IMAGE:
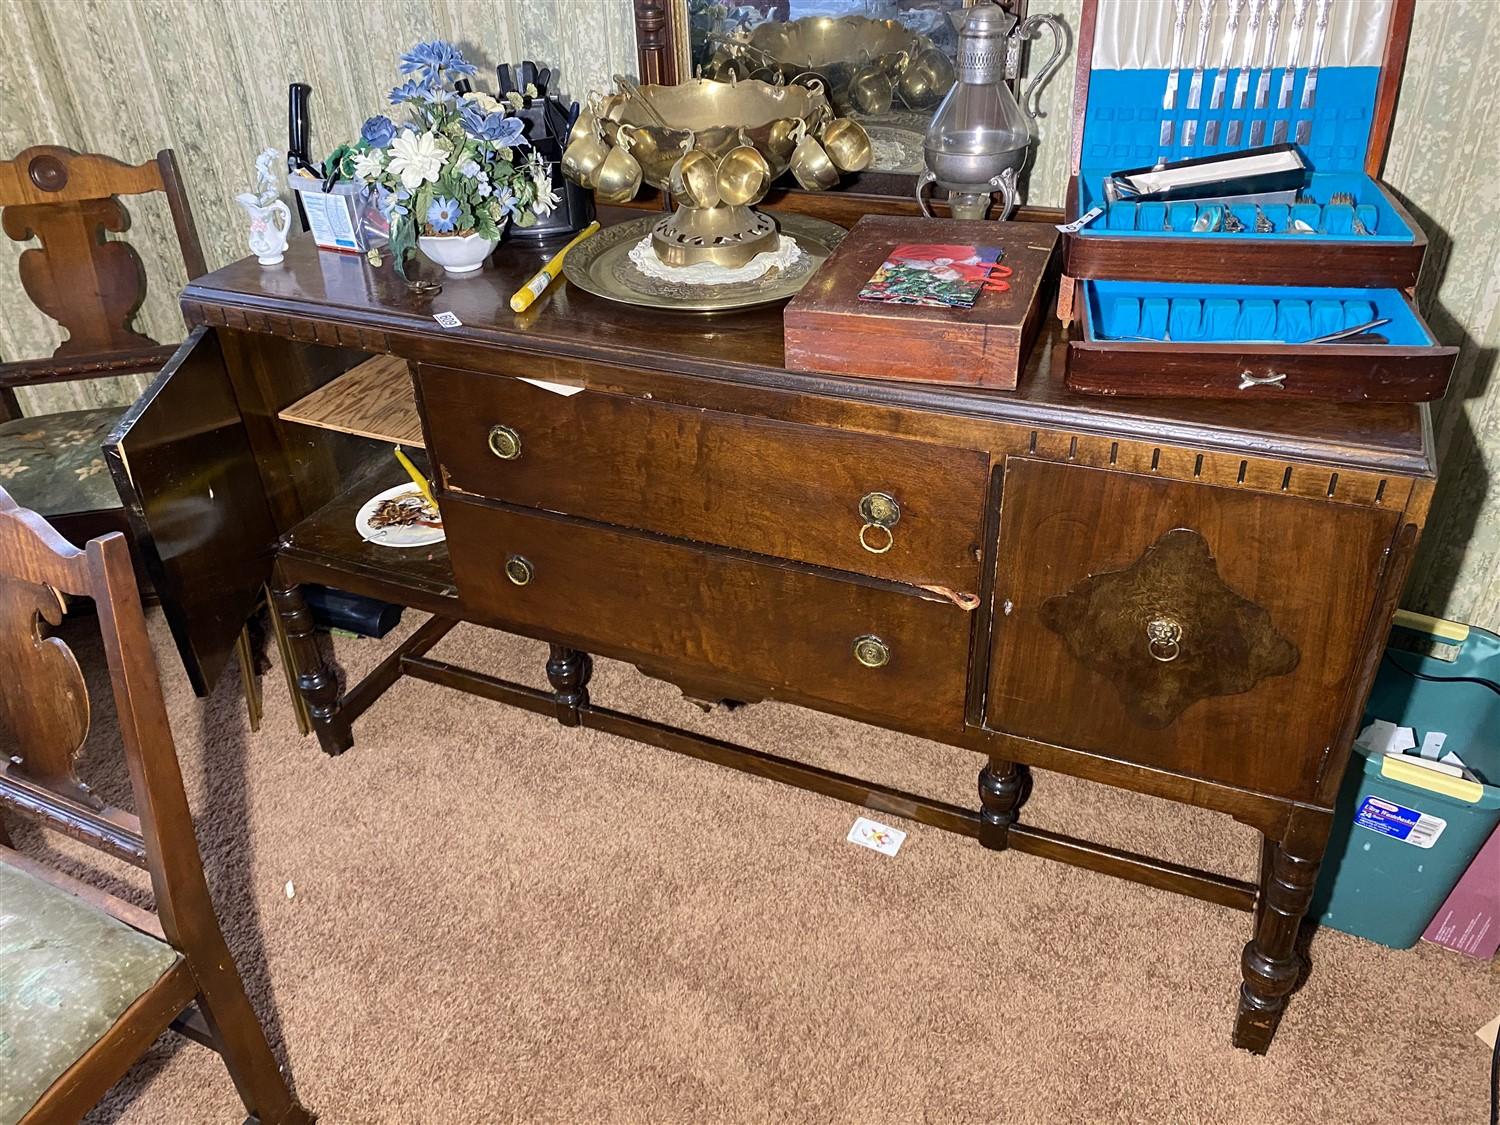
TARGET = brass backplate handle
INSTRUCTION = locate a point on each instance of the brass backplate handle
(880, 508)
(505, 443)
(871, 651)
(518, 570)
(881, 512)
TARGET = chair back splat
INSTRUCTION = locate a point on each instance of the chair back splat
(169, 961)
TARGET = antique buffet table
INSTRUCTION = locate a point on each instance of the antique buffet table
(1185, 599)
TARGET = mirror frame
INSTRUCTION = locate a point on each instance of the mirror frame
(662, 53)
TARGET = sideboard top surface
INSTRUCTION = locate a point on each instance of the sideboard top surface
(377, 308)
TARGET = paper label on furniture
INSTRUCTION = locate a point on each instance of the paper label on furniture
(1082, 221)
(1399, 822)
(448, 319)
(567, 390)
(876, 836)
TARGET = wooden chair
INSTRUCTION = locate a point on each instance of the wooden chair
(88, 981)
(92, 287)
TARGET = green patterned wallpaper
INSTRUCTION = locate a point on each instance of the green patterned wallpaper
(128, 77)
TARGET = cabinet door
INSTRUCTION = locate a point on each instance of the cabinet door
(182, 461)
(1202, 629)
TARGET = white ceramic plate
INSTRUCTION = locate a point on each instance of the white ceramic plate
(415, 536)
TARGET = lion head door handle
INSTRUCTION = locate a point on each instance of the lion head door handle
(880, 512)
(1164, 639)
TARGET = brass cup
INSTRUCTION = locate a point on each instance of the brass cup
(658, 150)
(871, 91)
(926, 78)
(744, 176)
(694, 181)
(847, 144)
(810, 164)
(584, 156)
(781, 139)
(619, 177)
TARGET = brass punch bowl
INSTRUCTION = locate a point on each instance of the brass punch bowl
(716, 146)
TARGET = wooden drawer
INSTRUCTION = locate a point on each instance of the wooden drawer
(712, 616)
(1212, 631)
(775, 488)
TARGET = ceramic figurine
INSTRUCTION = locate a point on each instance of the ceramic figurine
(270, 218)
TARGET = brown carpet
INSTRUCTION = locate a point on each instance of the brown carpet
(497, 919)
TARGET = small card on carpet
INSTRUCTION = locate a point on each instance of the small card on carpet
(876, 836)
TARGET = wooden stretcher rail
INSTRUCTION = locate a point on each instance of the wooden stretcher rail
(1209, 886)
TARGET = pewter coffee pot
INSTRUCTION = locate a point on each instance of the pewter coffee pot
(979, 137)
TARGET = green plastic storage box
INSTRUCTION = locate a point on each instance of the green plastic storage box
(1404, 834)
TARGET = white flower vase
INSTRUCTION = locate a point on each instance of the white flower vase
(459, 254)
(269, 225)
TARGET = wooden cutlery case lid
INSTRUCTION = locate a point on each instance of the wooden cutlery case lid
(1120, 121)
(827, 327)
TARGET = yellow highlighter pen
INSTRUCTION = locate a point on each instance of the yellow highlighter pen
(421, 481)
(534, 288)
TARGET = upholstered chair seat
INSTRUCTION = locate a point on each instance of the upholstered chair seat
(52, 463)
(67, 972)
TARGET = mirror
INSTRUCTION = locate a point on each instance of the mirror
(885, 63)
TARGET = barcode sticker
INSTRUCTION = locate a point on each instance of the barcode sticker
(1082, 221)
(1399, 822)
(447, 319)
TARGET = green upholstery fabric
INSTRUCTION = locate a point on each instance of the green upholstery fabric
(67, 972)
(52, 464)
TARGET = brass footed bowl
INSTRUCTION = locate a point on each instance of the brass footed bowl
(862, 61)
(729, 124)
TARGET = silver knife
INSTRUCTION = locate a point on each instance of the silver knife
(1174, 76)
(1263, 82)
(1242, 82)
(1289, 75)
(1195, 87)
(1310, 87)
(1221, 77)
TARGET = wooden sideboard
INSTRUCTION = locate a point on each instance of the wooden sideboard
(1184, 599)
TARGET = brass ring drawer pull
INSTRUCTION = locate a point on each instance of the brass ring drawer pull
(1164, 639)
(518, 570)
(871, 651)
(505, 443)
(880, 512)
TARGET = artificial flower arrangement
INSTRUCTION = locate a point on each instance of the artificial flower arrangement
(453, 171)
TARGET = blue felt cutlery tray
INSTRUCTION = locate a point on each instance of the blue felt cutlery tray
(1201, 340)
(1122, 129)
(1345, 242)
(1169, 312)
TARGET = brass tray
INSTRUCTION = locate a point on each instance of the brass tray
(601, 265)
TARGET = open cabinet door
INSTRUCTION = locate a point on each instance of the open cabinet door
(182, 461)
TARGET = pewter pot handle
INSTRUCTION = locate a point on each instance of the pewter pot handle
(1031, 98)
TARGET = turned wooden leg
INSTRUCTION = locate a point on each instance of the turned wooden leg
(1003, 788)
(568, 671)
(1270, 963)
(316, 681)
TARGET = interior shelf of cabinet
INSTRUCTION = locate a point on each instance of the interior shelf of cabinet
(373, 399)
(326, 547)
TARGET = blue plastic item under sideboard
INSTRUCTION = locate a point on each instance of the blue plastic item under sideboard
(1166, 310)
(1122, 130)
